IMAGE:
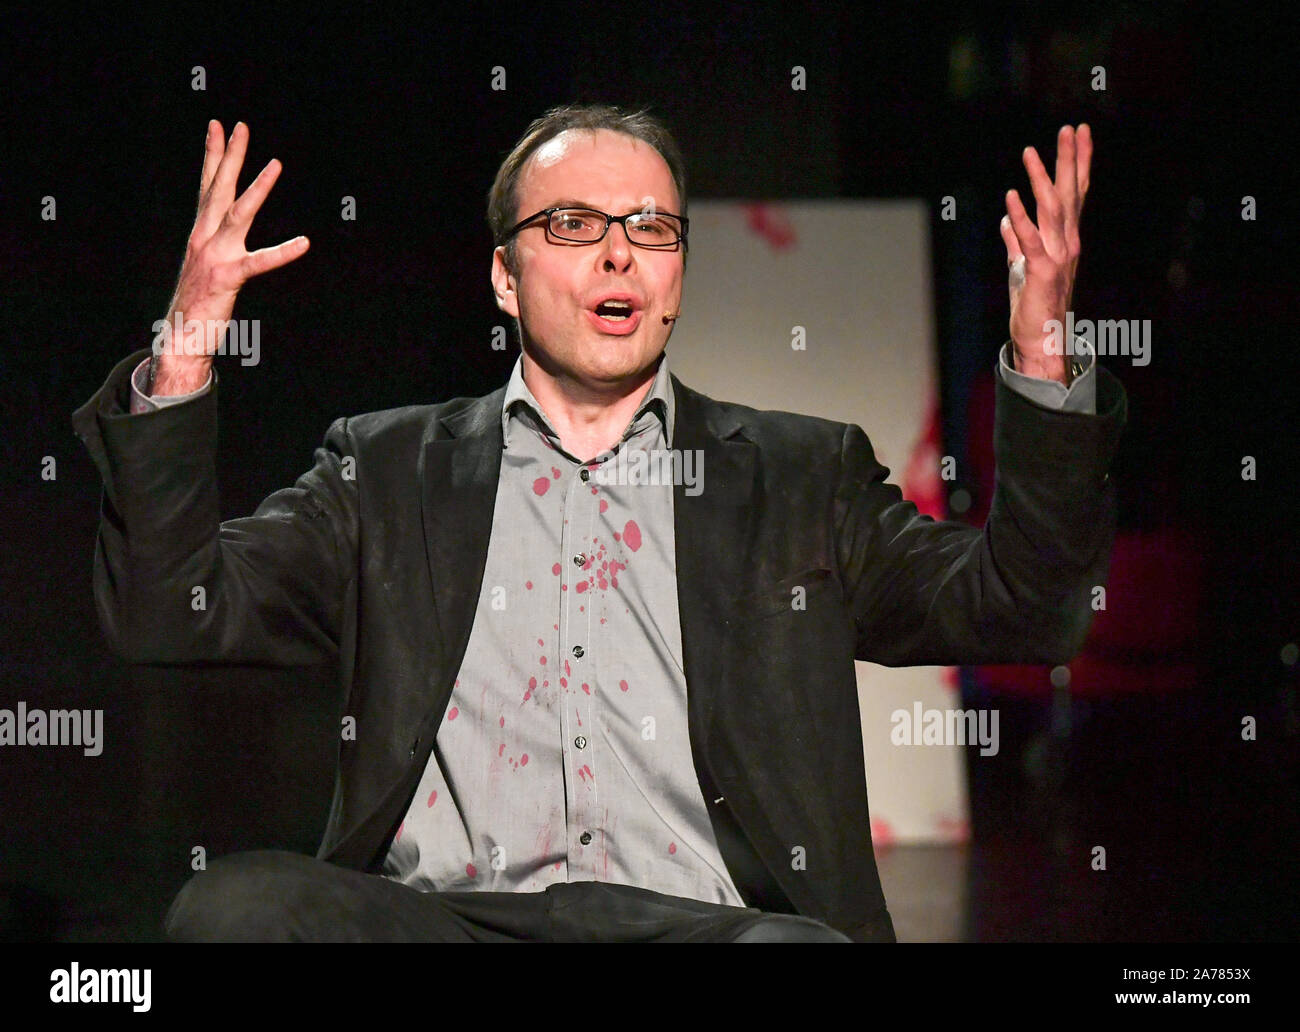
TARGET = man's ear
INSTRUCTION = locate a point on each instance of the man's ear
(503, 284)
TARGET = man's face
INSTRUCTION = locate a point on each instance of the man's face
(560, 284)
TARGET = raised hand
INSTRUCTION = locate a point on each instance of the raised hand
(217, 264)
(1042, 259)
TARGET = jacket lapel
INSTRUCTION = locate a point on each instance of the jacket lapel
(712, 531)
(459, 475)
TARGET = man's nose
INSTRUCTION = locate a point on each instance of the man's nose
(618, 247)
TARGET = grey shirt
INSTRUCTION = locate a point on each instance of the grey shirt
(564, 754)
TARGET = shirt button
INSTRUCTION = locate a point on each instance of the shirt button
(579, 560)
(585, 473)
(585, 838)
(579, 651)
(580, 741)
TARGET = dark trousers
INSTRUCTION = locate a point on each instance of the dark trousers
(274, 896)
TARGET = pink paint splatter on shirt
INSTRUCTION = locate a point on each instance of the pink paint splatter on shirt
(603, 505)
(433, 797)
(566, 668)
(503, 721)
(564, 683)
(632, 535)
(555, 569)
(455, 712)
(555, 473)
(541, 485)
(580, 587)
(529, 585)
(672, 847)
(623, 685)
(586, 687)
(523, 760)
(471, 870)
(542, 660)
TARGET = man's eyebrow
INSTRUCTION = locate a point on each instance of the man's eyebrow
(569, 202)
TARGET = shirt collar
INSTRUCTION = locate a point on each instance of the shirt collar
(659, 400)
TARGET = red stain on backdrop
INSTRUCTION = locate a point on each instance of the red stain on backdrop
(771, 223)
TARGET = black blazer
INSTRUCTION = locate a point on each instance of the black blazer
(374, 560)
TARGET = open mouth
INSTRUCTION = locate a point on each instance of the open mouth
(615, 317)
(615, 311)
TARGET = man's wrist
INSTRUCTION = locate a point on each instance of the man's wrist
(1049, 367)
(141, 402)
(1079, 396)
(174, 377)
(179, 362)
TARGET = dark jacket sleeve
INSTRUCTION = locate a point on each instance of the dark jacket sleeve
(274, 584)
(927, 592)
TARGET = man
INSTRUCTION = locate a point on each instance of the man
(582, 708)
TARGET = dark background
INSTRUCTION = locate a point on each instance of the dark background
(1142, 754)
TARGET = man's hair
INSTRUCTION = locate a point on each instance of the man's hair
(503, 198)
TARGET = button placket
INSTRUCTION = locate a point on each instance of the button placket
(574, 719)
(576, 661)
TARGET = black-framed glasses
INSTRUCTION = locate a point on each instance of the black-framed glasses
(654, 229)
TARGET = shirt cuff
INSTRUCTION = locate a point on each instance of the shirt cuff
(1080, 396)
(140, 402)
